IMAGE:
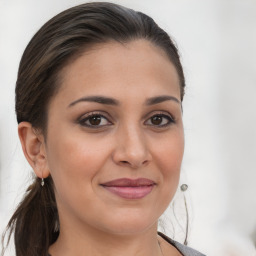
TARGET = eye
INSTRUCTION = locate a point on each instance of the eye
(160, 120)
(94, 120)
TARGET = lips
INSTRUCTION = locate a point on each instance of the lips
(130, 188)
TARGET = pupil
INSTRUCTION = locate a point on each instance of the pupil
(156, 120)
(95, 120)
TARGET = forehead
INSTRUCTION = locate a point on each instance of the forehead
(121, 69)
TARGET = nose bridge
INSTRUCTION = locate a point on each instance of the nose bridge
(135, 143)
(131, 148)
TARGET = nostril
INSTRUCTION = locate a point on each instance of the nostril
(133, 165)
(145, 162)
(125, 162)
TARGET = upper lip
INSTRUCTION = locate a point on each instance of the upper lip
(125, 182)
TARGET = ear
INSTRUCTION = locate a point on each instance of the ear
(33, 145)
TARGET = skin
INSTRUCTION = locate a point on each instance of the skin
(125, 144)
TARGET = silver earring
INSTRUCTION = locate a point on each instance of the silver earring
(42, 182)
(183, 187)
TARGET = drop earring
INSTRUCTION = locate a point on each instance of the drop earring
(42, 182)
(183, 188)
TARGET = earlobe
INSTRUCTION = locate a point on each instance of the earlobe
(34, 149)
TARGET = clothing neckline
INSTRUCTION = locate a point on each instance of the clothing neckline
(170, 241)
(181, 248)
(166, 238)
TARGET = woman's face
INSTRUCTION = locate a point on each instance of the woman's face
(115, 138)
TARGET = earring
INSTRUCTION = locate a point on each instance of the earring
(183, 187)
(42, 182)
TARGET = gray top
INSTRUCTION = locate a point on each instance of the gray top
(183, 249)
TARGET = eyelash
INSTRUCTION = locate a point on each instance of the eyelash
(83, 120)
(86, 118)
(169, 118)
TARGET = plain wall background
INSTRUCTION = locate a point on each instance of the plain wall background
(217, 41)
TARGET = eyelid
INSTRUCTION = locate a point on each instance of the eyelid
(81, 120)
(164, 114)
(160, 112)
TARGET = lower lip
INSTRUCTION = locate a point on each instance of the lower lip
(131, 192)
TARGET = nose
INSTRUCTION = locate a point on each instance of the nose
(131, 148)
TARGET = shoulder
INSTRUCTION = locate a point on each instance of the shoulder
(183, 249)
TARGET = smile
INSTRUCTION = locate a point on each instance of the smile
(129, 188)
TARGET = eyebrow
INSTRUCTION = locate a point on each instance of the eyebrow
(159, 99)
(97, 99)
(110, 101)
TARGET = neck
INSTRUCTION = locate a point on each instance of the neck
(78, 240)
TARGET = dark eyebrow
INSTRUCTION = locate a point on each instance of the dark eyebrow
(97, 99)
(110, 101)
(159, 99)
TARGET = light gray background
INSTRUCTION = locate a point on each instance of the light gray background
(217, 40)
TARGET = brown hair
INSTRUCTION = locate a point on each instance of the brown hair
(35, 223)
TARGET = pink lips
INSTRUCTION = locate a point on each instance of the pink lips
(129, 188)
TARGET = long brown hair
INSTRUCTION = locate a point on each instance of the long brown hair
(35, 223)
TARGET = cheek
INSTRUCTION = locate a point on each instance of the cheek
(74, 161)
(169, 155)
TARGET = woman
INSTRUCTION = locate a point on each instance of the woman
(99, 106)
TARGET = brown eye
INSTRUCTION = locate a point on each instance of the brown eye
(156, 120)
(94, 121)
(160, 120)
